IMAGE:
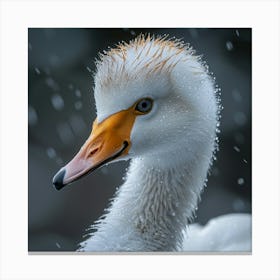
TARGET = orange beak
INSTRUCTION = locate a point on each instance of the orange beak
(108, 141)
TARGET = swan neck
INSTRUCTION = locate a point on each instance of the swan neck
(162, 201)
(151, 209)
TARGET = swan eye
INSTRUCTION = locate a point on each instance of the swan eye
(144, 105)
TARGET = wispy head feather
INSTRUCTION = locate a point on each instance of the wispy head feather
(144, 55)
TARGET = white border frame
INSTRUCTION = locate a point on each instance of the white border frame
(17, 16)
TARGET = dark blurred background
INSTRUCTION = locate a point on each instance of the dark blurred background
(60, 114)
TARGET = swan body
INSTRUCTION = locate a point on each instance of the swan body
(227, 233)
(156, 105)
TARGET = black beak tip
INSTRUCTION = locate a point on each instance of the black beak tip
(58, 179)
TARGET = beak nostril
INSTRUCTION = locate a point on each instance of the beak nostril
(92, 152)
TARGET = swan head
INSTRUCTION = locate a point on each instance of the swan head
(155, 100)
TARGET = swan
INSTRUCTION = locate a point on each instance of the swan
(156, 105)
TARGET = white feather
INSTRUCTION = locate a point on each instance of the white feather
(171, 152)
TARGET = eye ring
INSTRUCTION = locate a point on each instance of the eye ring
(144, 105)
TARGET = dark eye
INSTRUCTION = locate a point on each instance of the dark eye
(144, 105)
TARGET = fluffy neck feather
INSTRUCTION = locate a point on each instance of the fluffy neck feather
(152, 208)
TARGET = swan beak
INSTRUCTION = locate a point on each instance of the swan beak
(109, 140)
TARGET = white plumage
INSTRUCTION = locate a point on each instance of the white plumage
(171, 149)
